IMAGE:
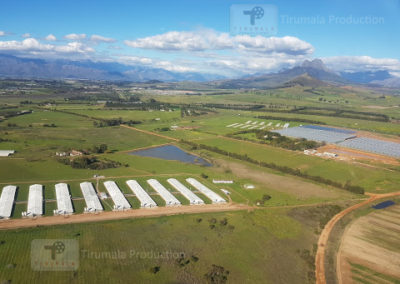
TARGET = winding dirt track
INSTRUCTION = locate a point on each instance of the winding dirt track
(323, 238)
(109, 215)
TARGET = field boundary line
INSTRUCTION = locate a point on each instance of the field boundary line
(149, 132)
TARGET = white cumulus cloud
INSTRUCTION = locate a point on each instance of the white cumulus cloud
(2, 33)
(33, 46)
(26, 35)
(203, 40)
(75, 36)
(50, 37)
(362, 63)
(99, 38)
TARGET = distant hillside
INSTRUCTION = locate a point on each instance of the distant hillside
(307, 71)
(23, 68)
(305, 80)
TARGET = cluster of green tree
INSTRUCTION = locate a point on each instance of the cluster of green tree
(11, 113)
(47, 125)
(182, 260)
(283, 169)
(291, 119)
(223, 223)
(341, 113)
(162, 129)
(100, 122)
(263, 199)
(103, 95)
(89, 162)
(25, 102)
(138, 105)
(99, 149)
(234, 106)
(113, 122)
(217, 274)
(277, 140)
(219, 93)
(335, 113)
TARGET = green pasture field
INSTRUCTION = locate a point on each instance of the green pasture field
(372, 179)
(268, 245)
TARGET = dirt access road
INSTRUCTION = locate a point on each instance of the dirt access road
(323, 238)
(150, 133)
(117, 215)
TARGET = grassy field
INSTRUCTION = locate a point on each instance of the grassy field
(373, 179)
(269, 248)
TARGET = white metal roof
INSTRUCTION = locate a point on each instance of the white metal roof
(215, 198)
(64, 204)
(141, 194)
(35, 200)
(7, 200)
(170, 200)
(116, 195)
(193, 198)
(6, 153)
(91, 198)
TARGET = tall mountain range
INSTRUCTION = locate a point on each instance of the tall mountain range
(28, 68)
(309, 73)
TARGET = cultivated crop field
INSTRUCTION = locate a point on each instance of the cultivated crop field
(370, 250)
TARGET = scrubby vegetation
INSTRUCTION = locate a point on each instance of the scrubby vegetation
(89, 162)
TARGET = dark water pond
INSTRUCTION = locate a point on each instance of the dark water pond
(171, 152)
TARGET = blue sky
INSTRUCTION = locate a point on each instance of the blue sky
(323, 29)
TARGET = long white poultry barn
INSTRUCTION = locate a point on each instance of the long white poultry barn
(64, 204)
(215, 198)
(92, 200)
(120, 202)
(7, 201)
(170, 200)
(35, 201)
(193, 198)
(141, 194)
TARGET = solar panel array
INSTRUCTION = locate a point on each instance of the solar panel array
(7, 201)
(340, 130)
(35, 200)
(373, 145)
(170, 200)
(315, 134)
(186, 192)
(120, 202)
(141, 194)
(91, 198)
(64, 204)
(215, 198)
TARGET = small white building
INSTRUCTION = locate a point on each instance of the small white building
(330, 155)
(223, 181)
